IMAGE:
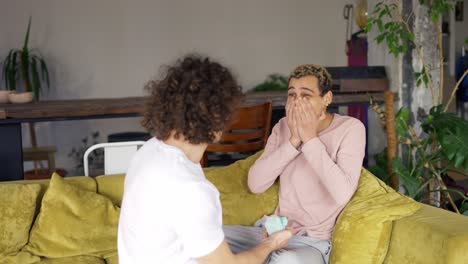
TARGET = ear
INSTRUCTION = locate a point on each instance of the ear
(328, 98)
(218, 135)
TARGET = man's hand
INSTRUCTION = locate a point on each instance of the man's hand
(307, 120)
(292, 123)
(277, 240)
(258, 254)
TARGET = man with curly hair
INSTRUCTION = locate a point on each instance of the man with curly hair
(170, 212)
(318, 158)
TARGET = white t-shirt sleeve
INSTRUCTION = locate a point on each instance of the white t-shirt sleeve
(198, 221)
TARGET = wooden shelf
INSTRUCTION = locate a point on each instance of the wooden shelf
(134, 106)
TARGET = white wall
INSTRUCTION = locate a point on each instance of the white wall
(110, 48)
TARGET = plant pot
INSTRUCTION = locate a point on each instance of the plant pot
(21, 98)
(4, 96)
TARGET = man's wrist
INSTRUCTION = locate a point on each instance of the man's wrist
(310, 137)
(295, 142)
(269, 244)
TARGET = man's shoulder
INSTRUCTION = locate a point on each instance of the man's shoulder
(198, 186)
(348, 122)
(281, 126)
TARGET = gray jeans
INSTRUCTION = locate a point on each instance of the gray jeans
(300, 249)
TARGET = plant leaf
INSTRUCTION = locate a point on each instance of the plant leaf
(274, 82)
(436, 109)
(464, 208)
(380, 172)
(401, 121)
(423, 186)
(36, 83)
(13, 72)
(26, 39)
(5, 69)
(43, 68)
(25, 69)
(381, 158)
(45, 73)
(463, 196)
(410, 183)
(451, 132)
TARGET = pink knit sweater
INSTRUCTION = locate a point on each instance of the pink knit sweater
(317, 180)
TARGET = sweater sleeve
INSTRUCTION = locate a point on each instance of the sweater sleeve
(340, 178)
(272, 162)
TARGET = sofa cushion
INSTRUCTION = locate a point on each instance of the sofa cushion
(17, 208)
(86, 183)
(72, 260)
(363, 229)
(20, 258)
(240, 206)
(431, 235)
(113, 260)
(73, 222)
(111, 186)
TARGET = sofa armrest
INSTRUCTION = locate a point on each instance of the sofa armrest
(431, 235)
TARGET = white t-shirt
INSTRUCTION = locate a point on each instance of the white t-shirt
(170, 212)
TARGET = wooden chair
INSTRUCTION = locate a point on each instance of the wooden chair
(247, 131)
(37, 154)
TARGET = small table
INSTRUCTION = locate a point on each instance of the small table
(13, 115)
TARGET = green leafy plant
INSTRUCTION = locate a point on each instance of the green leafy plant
(25, 65)
(274, 82)
(95, 158)
(379, 169)
(443, 142)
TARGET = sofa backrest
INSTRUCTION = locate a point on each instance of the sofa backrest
(85, 183)
(111, 186)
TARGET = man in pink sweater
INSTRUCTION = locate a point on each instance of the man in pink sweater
(318, 158)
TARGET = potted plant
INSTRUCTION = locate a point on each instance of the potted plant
(274, 82)
(27, 69)
(443, 142)
(96, 158)
(4, 96)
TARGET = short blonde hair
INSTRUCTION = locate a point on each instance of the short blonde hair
(324, 78)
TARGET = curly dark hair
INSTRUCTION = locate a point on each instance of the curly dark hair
(195, 99)
(324, 78)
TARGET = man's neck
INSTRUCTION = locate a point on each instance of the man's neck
(193, 151)
(325, 123)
